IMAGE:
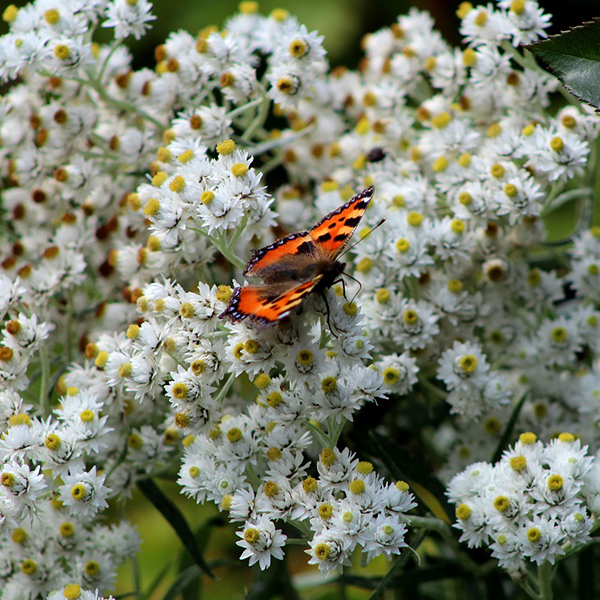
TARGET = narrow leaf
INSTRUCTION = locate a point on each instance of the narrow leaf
(510, 426)
(177, 521)
(156, 582)
(444, 570)
(408, 467)
(397, 567)
(574, 57)
(586, 574)
(182, 582)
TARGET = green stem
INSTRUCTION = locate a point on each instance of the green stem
(242, 109)
(226, 386)
(230, 255)
(271, 164)
(593, 542)
(126, 106)
(261, 116)
(223, 247)
(561, 199)
(434, 389)
(443, 529)
(526, 586)
(318, 434)
(555, 188)
(115, 45)
(252, 477)
(545, 573)
(334, 430)
(272, 144)
(69, 329)
(44, 359)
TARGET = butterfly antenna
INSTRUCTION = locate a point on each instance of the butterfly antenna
(359, 286)
(363, 237)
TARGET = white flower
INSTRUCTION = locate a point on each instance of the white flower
(541, 539)
(128, 18)
(463, 367)
(386, 535)
(329, 551)
(261, 541)
(84, 492)
(23, 485)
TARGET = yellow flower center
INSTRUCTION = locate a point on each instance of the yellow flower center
(468, 363)
(463, 512)
(518, 463)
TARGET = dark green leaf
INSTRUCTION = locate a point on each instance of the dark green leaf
(446, 570)
(156, 582)
(202, 535)
(510, 426)
(182, 582)
(397, 567)
(574, 57)
(177, 521)
(586, 574)
(272, 582)
(408, 467)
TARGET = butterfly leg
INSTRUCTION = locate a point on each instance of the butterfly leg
(343, 282)
(328, 313)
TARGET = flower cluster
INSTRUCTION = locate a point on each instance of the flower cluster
(533, 505)
(133, 199)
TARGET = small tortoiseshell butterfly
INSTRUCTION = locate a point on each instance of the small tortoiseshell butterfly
(296, 265)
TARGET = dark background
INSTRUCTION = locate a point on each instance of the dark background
(342, 22)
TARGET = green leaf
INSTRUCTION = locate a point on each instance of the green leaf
(586, 574)
(408, 467)
(503, 443)
(397, 567)
(202, 535)
(156, 581)
(182, 582)
(274, 582)
(574, 57)
(427, 574)
(177, 521)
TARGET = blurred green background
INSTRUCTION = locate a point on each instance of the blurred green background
(343, 23)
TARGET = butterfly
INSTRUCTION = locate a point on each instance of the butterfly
(296, 265)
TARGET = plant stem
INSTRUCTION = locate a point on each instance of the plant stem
(318, 434)
(223, 391)
(242, 109)
(334, 430)
(45, 361)
(126, 106)
(68, 329)
(261, 117)
(443, 529)
(545, 573)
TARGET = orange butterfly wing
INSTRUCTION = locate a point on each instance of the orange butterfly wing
(267, 262)
(331, 233)
(267, 304)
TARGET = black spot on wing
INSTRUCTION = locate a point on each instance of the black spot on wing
(352, 221)
(257, 255)
(324, 237)
(340, 238)
(362, 199)
(304, 248)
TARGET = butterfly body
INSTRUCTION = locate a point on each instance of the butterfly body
(296, 265)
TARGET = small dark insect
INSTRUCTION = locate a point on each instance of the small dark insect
(376, 154)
